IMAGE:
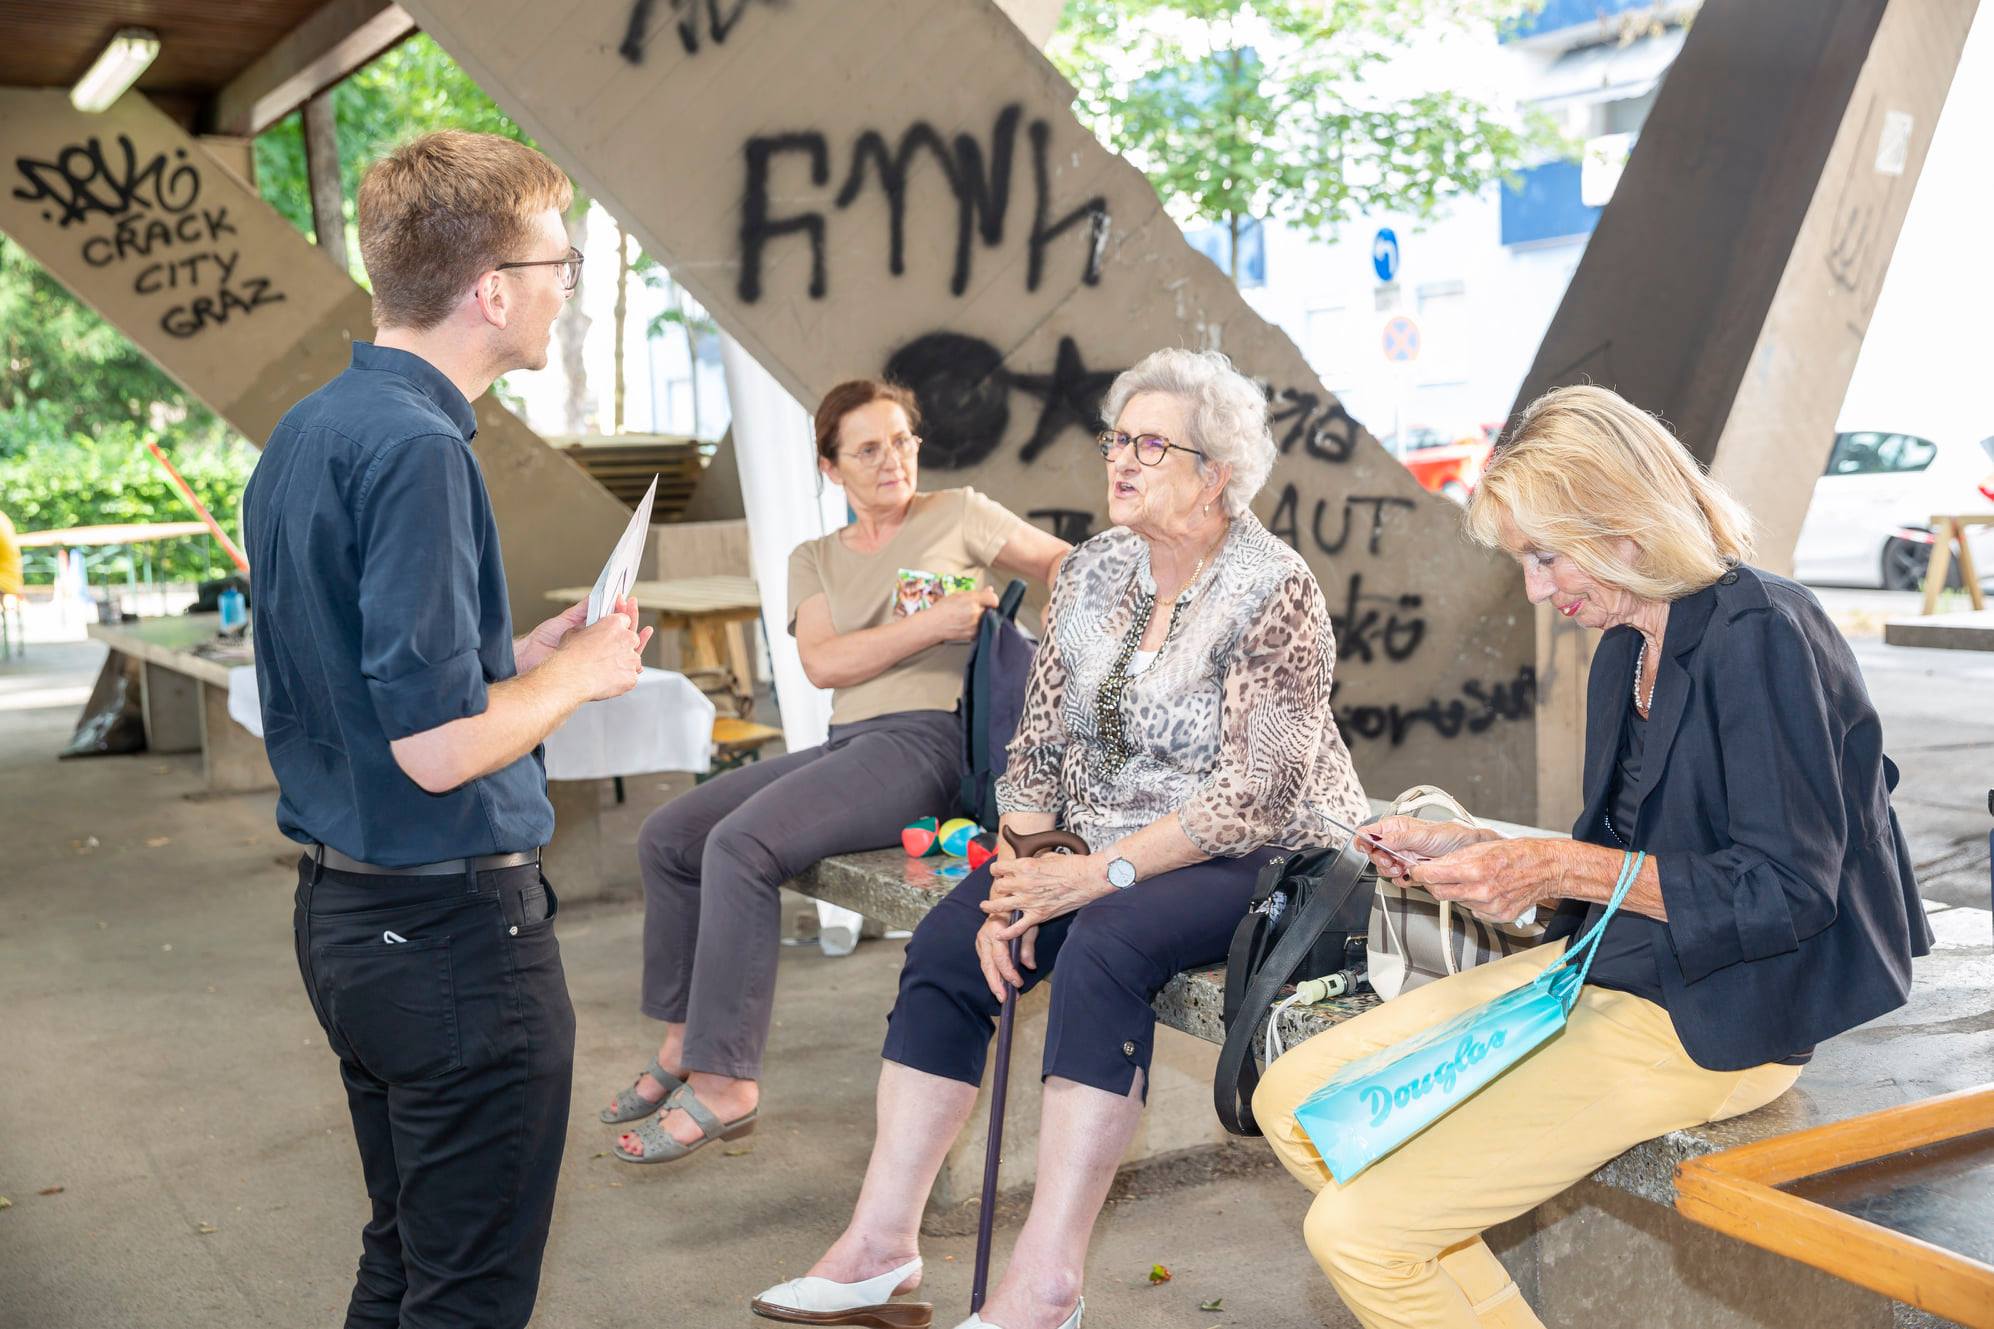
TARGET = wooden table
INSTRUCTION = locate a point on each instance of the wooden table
(184, 698)
(139, 533)
(1970, 630)
(1949, 532)
(707, 610)
(1892, 1201)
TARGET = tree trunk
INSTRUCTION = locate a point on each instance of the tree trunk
(571, 330)
(621, 318)
(1232, 224)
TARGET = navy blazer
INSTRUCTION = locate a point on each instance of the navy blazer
(1793, 911)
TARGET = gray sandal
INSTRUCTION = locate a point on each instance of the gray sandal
(633, 1106)
(660, 1147)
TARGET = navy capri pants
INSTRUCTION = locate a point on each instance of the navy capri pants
(1112, 957)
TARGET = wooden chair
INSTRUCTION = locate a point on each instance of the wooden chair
(736, 742)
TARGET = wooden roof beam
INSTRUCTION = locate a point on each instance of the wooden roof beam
(336, 40)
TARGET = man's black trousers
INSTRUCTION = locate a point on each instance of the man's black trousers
(444, 999)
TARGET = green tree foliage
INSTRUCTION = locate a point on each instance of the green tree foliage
(108, 478)
(1290, 109)
(78, 403)
(411, 90)
(66, 373)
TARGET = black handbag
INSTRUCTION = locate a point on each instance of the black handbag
(1308, 907)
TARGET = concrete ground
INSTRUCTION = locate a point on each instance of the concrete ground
(164, 1077)
(173, 1140)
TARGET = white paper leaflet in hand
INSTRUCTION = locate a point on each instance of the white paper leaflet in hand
(619, 574)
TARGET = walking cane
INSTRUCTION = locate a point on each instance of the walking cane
(1024, 846)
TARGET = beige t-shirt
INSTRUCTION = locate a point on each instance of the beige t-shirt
(953, 533)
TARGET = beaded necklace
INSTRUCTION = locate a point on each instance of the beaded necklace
(1108, 702)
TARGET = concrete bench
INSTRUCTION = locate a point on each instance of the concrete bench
(1622, 1218)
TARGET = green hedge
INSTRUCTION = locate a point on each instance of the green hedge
(112, 479)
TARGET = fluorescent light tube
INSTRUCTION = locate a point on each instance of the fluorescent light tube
(127, 56)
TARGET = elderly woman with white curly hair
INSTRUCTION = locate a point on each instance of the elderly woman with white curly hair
(1177, 720)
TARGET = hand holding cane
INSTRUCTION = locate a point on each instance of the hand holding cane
(1024, 846)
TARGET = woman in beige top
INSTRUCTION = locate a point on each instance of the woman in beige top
(883, 612)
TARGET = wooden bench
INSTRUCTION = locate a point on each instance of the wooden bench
(625, 464)
(736, 742)
(1942, 1040)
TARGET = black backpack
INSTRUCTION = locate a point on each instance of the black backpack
(993, 701)
(1309, 909)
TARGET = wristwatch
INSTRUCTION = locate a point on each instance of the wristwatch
(1121, 873)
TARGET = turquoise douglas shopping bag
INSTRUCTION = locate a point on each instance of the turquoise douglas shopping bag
(1378, 1102)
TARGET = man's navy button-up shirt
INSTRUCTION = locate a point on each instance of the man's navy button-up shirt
(380, 613)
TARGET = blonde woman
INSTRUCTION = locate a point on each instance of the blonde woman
(1728, 734)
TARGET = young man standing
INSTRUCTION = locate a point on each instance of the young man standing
(403, 723)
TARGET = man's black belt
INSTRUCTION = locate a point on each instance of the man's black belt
(339, 862)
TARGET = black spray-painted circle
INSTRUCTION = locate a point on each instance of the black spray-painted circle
(964, 392)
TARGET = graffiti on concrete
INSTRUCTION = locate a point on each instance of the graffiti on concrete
(1073, 525)
(710, 20)
(1373, 626)
(1477, 708)
(1318, 422)
(976, 174)
(964, 388)
(1285, 521)
(84, 180)
(144, 217)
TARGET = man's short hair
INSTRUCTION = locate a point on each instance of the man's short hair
(443, 208)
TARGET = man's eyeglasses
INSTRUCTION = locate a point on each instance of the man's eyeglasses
(1149, 448)
(570, 266)
(872, 456)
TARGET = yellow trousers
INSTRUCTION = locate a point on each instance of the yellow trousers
(1402, 1242)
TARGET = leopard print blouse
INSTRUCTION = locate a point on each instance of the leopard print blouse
(1229, 728)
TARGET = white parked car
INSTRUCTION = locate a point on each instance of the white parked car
(1870, 523)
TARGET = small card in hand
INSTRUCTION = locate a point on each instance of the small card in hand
(917, 590)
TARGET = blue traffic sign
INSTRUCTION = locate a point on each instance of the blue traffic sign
(1385, 253)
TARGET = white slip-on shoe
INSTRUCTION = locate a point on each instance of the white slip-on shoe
(1070, 1322)
(868, 1303)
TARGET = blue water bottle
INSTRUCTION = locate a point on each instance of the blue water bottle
(233, 613)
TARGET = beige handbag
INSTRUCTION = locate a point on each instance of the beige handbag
(1415, 938)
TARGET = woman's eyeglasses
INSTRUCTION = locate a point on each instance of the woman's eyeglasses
(1149, 448)
(872, 456)
(570, 266)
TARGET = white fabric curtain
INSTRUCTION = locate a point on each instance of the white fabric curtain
(779, 490)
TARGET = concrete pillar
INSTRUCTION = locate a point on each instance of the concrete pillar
(1731, 279)
(573, 861)
(880, 187)
(132, 215)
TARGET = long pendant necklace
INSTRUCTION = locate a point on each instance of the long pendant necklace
(1108, 701)
(1640, 663)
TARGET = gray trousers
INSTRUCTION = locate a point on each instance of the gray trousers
(714, 858)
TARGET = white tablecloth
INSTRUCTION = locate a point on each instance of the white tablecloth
(663, 724)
